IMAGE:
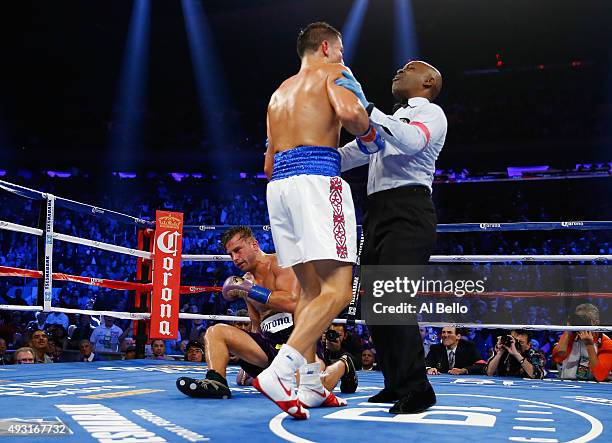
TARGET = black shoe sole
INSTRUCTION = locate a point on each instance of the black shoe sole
(382, 398)
(416, 411)
(422, 408)
(183, 385)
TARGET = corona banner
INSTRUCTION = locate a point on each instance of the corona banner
(166, 275)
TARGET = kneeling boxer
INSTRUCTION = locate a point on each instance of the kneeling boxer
(271, 294)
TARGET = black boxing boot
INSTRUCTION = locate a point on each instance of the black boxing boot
(349, 381)
(213, 386)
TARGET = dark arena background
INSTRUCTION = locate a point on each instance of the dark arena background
(113, 109)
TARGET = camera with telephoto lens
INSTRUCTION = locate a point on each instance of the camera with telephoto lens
(332, 335)
(507, 340)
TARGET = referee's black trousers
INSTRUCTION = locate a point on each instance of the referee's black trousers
(399, 229)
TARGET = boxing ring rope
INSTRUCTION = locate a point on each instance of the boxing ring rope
(458, 258)
(52, 201)
(461, 227)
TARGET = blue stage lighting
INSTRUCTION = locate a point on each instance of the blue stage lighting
(213, 93)
(126, 136)
(352, 29)
(406, 44)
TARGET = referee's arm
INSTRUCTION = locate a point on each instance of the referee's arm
(411, 136)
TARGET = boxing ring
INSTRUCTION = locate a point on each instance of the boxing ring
(139, 396)
(85, 401)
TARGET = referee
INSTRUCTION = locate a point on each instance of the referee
(400, 219)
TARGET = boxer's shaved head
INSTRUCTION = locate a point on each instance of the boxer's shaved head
(310, 38)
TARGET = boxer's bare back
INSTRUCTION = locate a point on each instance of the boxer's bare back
(309, 109)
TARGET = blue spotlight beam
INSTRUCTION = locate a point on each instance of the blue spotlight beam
(406, 44)
(352, 29)
(213, 93)
(127, 133)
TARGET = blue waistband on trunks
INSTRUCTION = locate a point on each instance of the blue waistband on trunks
(309, 160)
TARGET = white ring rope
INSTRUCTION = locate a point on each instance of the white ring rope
(230, 318)
(455, 258)
(220, 257)
(102, 245)
(506, 258)
(8, 226)
(207, 257)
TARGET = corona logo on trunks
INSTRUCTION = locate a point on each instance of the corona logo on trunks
(166, 275)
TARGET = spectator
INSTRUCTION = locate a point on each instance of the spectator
(40, 323)
(106, 336)
(368, 360)
(195, 352)
(426, 337)
(584, 355)
(24, 355)
(130, 353)
(4, 358)
(125, 343)
(514, 357)
(39, 342)
(158, 348)
(57, 333)
(244, 325)
(86, 351)
(17, 299)
(80, 331)
(482, 339)
(55, 350)
(58, 318)
(198, 327)
(454, 355)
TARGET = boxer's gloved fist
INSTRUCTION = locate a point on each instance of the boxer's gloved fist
(350, 82)
(236, 287)
(370, 142)
(243, 379)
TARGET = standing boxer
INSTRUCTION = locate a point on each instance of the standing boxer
(311, 211)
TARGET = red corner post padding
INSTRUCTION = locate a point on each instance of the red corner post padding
(165, 298)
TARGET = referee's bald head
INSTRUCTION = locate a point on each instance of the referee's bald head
(435, 80)
(417, 79)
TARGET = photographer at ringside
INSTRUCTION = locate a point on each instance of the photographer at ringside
(337, 342)
(515, 357)
(584, 355)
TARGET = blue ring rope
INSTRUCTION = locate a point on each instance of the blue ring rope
(450, 227)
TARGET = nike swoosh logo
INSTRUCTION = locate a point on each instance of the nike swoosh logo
(322, 394)
(287, 391)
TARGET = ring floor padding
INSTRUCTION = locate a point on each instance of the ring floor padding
(137, 400)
